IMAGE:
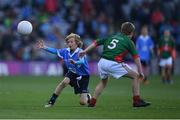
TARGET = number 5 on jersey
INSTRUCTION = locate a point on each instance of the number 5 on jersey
(113, 44)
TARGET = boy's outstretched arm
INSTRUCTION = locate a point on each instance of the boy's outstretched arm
(40, 45)
(78, 62)
(90, 47)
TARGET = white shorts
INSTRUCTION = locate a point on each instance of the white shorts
(115, 69)
(164, 62)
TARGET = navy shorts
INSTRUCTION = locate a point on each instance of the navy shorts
(78, 82)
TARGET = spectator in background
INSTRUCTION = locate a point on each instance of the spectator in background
(145, 45)
(91, 18)
(178, 35)
(166, 54)
(157, 16)
(51, 6)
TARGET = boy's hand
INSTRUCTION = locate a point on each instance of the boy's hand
(72, 61)
(40, 44)
(82, 53)
(141, 76)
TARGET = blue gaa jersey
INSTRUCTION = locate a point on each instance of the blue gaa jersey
(81, 67)
(144, 45)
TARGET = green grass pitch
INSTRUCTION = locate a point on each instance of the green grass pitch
(24, 97)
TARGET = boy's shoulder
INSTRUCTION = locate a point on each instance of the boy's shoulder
(120, 36)
(68, 50)
(80, 49)
(63, 49)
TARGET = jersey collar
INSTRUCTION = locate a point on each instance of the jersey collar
(144, 37)
(76, 51)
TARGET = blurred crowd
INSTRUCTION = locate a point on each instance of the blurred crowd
(54, 19)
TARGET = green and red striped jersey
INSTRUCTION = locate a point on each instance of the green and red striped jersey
(166, 47)
(115, 47)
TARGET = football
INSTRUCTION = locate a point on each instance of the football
(24, 27)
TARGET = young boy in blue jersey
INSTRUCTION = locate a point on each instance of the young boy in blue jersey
(145, 46)
(78, 69)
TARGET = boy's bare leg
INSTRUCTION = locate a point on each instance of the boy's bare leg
(97, 92)
(137, 101)
(163, 74)
(169, 70)
(61, 86)
(57, 92)
(135, 83)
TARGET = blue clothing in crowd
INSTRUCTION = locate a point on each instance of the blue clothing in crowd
(144, 46)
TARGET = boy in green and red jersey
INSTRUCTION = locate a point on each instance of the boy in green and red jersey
(166, 54)
(115, 47)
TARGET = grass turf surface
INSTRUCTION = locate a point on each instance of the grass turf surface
(24, 97)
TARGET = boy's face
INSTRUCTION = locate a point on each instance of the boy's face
(131, 35)
(144, 31)
(71, 43)
(166, 33)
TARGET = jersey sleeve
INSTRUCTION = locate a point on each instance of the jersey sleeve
(51, 50)
(98, 42)
(138, 43)
(60, 52)
(151, 44)
(132, 49)
(80, 61)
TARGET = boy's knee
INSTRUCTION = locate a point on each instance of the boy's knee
(82, 102)
(135, 76)
(65, 83)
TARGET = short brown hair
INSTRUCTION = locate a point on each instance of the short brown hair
(127, 28)
(77, 39)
